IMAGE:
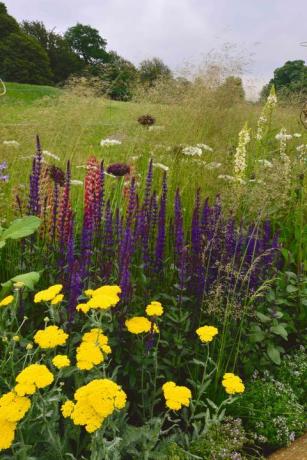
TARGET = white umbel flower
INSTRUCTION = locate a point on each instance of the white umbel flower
(205, 147)
(108, 142)
(11, 143)
(192, 151)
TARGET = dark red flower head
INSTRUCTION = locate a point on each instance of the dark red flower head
(118, 169)
(146, 120)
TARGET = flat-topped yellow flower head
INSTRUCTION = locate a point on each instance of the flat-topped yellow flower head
(206, 333)
(176, 396)
(50, 337)
(47, 295)
(154, 309)
(140, 324)
(232, 383)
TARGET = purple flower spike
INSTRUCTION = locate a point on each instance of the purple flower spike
(160, 242)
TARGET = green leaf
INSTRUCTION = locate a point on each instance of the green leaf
(291, 288)
(257, 336)
(28, 279)
(279, 330)
(273, 354)
(263, 318)
(2, 243)
(20, 228)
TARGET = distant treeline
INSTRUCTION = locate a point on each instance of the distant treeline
(29, 53)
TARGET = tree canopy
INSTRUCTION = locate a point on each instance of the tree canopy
(22, 59)
(289, 79)
(63, 61)
(151, 70)
(87, 43)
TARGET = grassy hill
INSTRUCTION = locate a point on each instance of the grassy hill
(26, 94)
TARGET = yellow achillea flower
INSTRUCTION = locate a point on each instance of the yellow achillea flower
(94, 403)
(6, 301)
(67, 408)
(58, 299)
(139, 325)
(12, 409)
(84, 307)
(31, 378)
(48, 294)
(7, 433)
(50, 337)
(92, 350)
(176, 396)
(60, 361)
(102, 298)
(206, 333)
(154, 309)
(232, 383)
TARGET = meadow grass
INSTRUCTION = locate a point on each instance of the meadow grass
(71, 125)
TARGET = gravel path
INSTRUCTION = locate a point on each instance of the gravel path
(297, 451)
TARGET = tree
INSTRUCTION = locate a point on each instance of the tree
(23, 60)
(8, 24)
(289, 79)
(87, 43)
(120, 77)
(63, 60)
(151, 70)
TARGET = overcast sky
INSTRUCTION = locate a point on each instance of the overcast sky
(267, 31)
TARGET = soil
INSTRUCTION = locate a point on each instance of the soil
(297, 451)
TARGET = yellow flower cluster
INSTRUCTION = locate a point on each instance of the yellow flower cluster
(232, 384)
(140, 324)
(32, 378)
(94, 403)
(176, 396)
(60, 361)
(50, 337)
(92, 350)
(49, 294)
(58, 299)
(12, 409)
(154, 309)
(206, 333)
(102, 298)
(6, 301)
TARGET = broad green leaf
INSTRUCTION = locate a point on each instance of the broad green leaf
(280, 330)
(28, 279)
(20, 228)
(257, 336)
(291, 288)
(273, 354)
(263, 318)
